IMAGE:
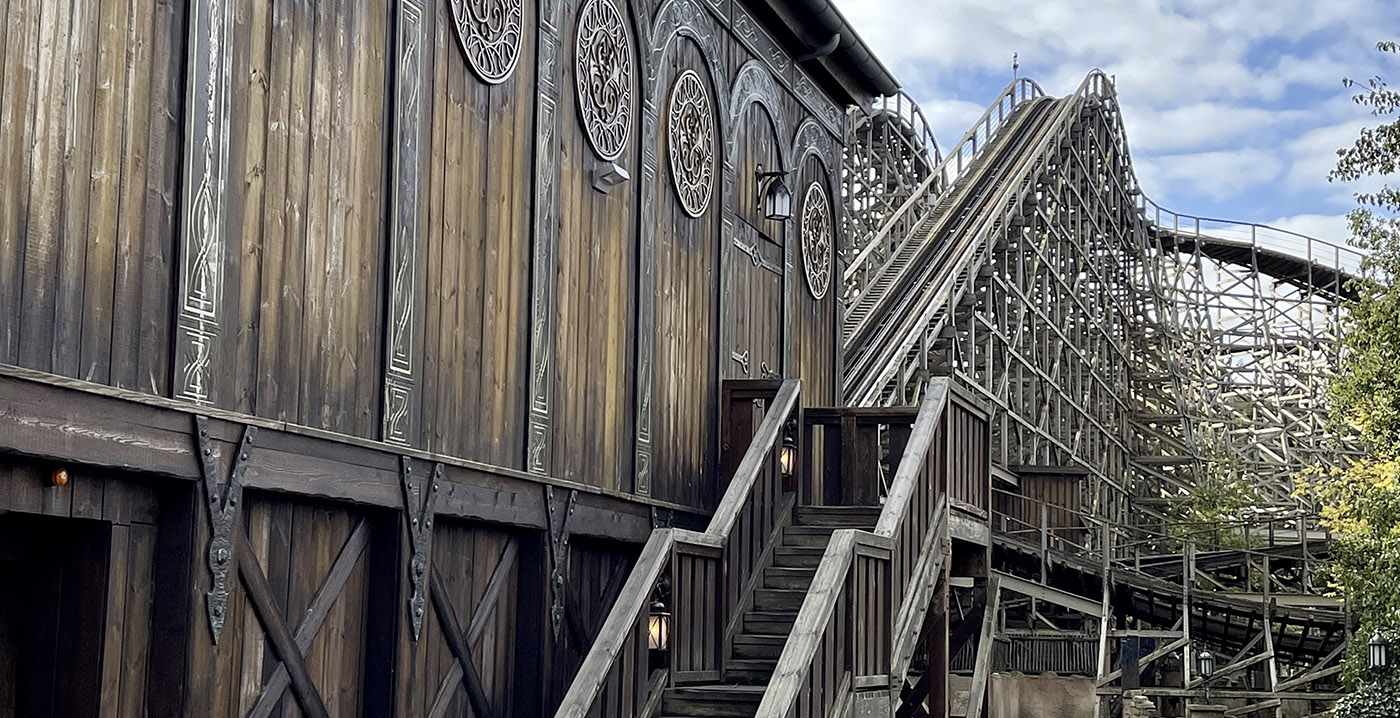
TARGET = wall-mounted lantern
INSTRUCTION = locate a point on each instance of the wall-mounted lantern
(1205, 664)
(774, 197)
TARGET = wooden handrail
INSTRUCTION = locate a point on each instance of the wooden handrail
(818, 615)
(635, 597)
(769, 434)
(906, 477)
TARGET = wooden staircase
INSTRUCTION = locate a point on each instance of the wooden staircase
(767, 623)
(812, 611)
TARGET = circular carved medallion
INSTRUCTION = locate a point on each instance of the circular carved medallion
(816, 239)
(691, 141)
(489, 32)
(603, 77)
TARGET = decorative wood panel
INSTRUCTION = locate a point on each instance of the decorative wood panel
(475, 571)
(477, 208)
(307, 229)
(403, 363)
(595, 314)
(686, 328)
(90, 136)
(814, 325)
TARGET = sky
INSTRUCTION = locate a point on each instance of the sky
(1234, 109)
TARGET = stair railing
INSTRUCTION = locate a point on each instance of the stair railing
(708, 572)
(860, 621)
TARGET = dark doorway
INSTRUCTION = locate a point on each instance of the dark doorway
(53, 592)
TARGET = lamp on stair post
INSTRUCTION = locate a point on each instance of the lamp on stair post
(787, 456)
(1205, 665)
(1378, 651)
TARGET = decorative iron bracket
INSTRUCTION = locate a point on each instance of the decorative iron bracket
(222, 503)
(662, 518)
(767, 372)
(742, 359)
(418, 517)
(559, 519)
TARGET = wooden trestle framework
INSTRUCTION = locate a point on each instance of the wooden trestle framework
(389, 358)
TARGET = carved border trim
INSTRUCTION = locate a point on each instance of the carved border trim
(540, 436)
(199, 307)
(404, 333)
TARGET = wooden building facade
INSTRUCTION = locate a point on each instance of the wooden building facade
(350, 350)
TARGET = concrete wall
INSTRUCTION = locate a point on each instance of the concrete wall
(1015, 695)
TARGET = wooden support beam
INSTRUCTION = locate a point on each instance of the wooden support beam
(1254, 708)
(1050, 595)
(982, 669)
(1142, 662)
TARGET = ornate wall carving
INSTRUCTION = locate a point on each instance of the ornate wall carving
(690, 141)
(816, 239)
(603, 77)
(490, 32)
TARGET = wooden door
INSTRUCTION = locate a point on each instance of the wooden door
(755, 299)
(753, 294)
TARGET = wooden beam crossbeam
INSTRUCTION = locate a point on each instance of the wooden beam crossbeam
(458, 672)
(461, 650)
(313, 619)
(1142, 662)
(284, 644)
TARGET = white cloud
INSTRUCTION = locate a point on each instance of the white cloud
(1232, 108)
(1220, 175)
(1326, 227)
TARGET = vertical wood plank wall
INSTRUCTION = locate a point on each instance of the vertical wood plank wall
(815, 319)
(594, 347)
(686, 386)
(477, 238)
(306, 212)
(90, 153)
(92, 135)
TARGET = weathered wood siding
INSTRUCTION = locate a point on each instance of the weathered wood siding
(295, 543)
(90, 114)
(594, 344)
(467, 557)
(306, 200)
(685, 395)
(255, 257)
(476, 234)
(814, 324)
(755, 289)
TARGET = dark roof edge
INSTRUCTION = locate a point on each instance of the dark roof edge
(823, 17)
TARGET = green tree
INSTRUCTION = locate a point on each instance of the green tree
(1361, 503)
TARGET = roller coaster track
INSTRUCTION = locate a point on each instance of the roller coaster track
(1109, 333)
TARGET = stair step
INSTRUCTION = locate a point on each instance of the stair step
(838, 516)
(754, 645)
(819, 539)
(798, 556)
(730, 701)
(778, 599)
(785, 577)
(755, 671)
(775, 622)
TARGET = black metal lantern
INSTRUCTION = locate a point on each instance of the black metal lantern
(787, 457)
(1205, 664)
(659, 627)
(774, 195)
(1379, 651)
